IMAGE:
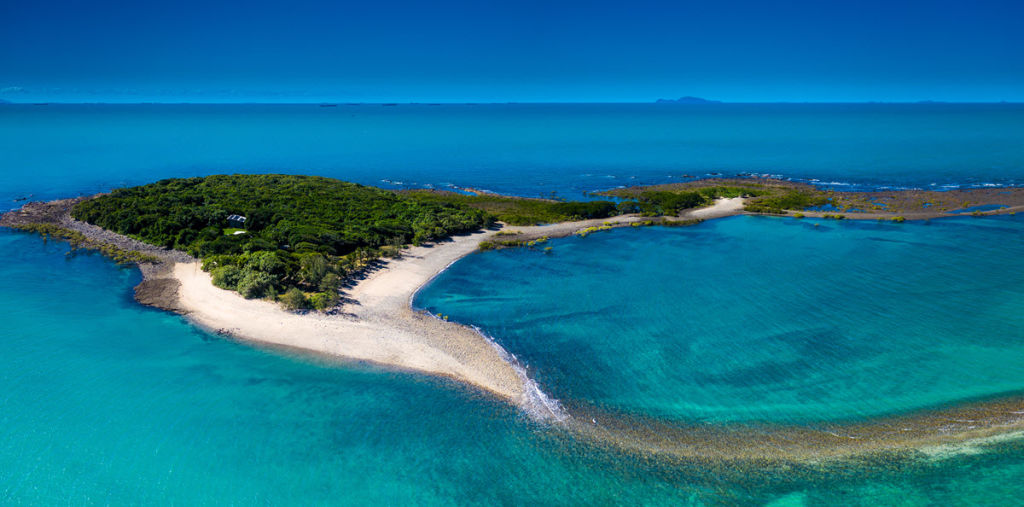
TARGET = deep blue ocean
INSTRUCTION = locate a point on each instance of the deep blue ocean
(521, 149)
(736, 320)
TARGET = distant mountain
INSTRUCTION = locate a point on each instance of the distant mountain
(688, 100)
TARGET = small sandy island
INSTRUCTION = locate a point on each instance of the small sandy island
(378, 324)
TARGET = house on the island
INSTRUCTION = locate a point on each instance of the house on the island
(236, 221)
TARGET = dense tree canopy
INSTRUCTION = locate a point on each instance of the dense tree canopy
(283, 212)
(299, 231)
(520, 210)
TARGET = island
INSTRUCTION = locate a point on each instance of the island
(321, 265)
(687, 100)
(329, 267)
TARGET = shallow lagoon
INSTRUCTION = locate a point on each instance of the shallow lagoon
(104, 401)
(756, 318)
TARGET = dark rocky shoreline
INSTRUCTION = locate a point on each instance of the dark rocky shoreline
(157, 289)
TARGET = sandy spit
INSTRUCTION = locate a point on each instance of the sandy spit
(378, 324)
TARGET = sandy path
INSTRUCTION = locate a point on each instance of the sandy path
(721, 208)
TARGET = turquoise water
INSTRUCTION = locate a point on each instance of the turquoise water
(758, 318)
(104, 401)
(983, 207)
(523, 149)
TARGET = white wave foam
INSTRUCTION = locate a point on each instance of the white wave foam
(535, 402)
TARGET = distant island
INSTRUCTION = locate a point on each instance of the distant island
(687, 100)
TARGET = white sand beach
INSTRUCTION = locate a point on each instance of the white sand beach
(721, 208)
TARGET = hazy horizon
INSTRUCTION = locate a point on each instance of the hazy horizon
(418, 102)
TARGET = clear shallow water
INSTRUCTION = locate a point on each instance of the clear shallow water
(104, 401)
(523, 149)
(984, 207)
(757, 318)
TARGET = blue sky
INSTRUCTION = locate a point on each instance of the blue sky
(483, 51)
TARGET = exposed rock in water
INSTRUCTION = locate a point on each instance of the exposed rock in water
(160, 293)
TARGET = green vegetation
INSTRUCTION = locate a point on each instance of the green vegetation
(302, 232)
(79, 242)
(678, 223)
(518, 210)
(787, 200)
(522, 211)
(590, 230)
(899, 219)
(294, 299)
(304, 235)
(669, 203)
(765, 196)
(511, 243)
(671, 200)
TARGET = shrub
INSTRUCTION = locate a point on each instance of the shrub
(330, 282)
(313, 268)
(671, 203)
(265, 261)
(254, 284)
(792, 200)
(324, 300)
(391, 252)
(294, 299)
(227, 277)
(589, 209)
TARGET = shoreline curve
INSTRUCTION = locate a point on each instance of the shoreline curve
(378, 325)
